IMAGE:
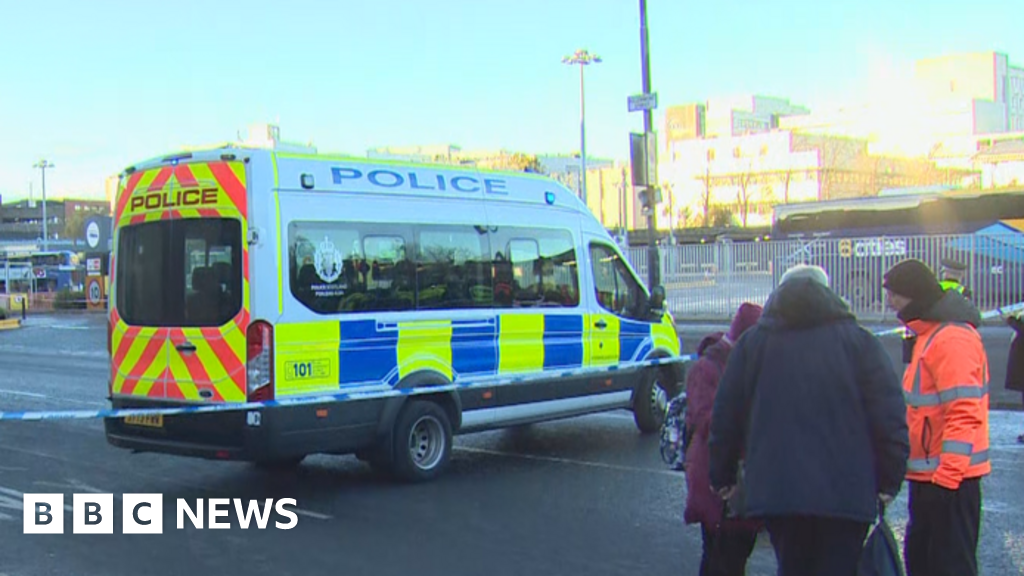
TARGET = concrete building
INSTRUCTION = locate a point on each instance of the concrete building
(684, 122)
(740, 178)
(23, 220)
(738, 115)
(1001, 164)
(728, 116)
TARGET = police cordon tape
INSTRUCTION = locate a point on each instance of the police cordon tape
(1011, 309)
(373, 394)
(377, 393)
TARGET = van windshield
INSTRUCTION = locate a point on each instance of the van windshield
(185, 273)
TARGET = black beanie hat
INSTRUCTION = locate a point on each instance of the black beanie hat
(915, 280)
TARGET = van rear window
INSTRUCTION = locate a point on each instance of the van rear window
(181, 273)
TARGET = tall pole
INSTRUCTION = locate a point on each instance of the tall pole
(654, 265)
(43, 165)
(583, 142)
(582, 58)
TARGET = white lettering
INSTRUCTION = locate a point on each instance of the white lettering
(865, 248)
(197, 518)
(287, 514)
(216, 513)
(261, 521)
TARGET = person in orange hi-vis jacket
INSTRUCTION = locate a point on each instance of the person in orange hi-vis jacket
(946, 390)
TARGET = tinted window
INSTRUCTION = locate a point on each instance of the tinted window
(535, 267)
(349, 267)
(453, 270)
(617, 290)
(180, 273)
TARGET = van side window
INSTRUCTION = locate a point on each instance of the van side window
(452, 268)
(617, 291)
(337, 268)
(534, 267)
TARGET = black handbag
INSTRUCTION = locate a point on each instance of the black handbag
(881, 554)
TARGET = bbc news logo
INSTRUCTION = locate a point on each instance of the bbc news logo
(144, 513)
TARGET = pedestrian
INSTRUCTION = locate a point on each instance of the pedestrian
(814, 401)
(953, 273)
(728, 543)
(946, 386)
(1015, 359)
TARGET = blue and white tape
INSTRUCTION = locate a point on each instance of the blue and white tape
(469, 384)
(377, 393)
(988, 315)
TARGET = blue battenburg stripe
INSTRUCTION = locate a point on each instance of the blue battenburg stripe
(475, 347)
(631, 337)
(366, 354)
(563, 341)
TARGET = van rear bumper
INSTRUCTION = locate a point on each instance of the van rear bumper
(259, 435)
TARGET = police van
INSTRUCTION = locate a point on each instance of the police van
(256, 275)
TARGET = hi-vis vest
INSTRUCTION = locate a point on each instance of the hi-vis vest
(952, 285)
(946, 389)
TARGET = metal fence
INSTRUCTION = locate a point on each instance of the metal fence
(709, 281)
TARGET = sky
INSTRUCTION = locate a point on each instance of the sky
(96, 86)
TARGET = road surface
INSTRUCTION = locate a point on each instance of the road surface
(581, 496)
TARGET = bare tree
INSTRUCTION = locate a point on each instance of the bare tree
(745, 181)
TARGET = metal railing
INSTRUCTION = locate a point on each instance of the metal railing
(710, 281)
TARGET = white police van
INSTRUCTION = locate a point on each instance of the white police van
(255, 275)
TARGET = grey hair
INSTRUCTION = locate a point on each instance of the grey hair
(815, 273)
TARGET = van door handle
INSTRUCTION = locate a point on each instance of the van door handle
(601, 324)
(186, 347)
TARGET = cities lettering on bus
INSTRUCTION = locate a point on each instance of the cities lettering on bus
(865, 248)
(418, 181)
(175, 199)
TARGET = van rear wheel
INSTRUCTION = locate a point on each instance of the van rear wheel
(422, 442)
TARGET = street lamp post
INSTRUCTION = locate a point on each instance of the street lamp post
(43, 165)
(582, 58)
(654, 262)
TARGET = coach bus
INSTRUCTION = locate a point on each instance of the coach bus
(857, 239)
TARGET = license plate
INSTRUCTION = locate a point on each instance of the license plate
(149, 421)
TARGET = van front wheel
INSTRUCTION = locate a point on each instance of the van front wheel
(650, 399)
(422, 442)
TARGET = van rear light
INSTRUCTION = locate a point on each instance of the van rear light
(259, 362)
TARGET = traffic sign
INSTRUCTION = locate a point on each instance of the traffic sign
(92, 234)
(643, 102)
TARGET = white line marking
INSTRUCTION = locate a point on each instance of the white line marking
(315, 515)
(15, 494)
(75, 486)
(612, 415)
(19, 393)
(85, 487)
(570, 461)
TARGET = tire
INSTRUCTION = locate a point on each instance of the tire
(421, 442)
(650, 399)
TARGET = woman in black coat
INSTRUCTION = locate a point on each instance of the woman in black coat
(1015, 362)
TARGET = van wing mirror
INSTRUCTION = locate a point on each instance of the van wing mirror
(657, 301)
